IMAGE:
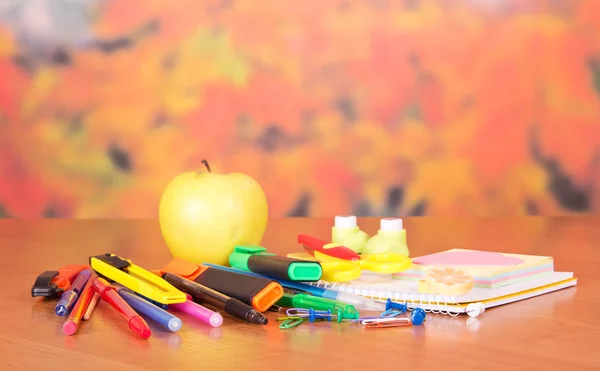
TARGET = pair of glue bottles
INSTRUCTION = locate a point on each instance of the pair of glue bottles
(391, 237)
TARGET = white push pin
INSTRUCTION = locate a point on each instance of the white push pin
(475, 309)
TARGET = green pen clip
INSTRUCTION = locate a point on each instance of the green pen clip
(256, 259)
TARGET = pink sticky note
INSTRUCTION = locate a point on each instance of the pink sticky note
(468, 257)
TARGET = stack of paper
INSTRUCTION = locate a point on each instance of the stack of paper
(489, 269)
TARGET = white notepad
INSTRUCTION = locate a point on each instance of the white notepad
(407, 292)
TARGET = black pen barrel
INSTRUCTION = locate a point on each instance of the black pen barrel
(198, 291)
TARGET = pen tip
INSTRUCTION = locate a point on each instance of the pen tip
(216, 320)
(61, 310)
(258, 318)
(138, 325)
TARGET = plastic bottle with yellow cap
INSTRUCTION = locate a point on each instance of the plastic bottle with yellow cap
(391, 238)
(346, 232)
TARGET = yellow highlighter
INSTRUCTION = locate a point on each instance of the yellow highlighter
(136, 279)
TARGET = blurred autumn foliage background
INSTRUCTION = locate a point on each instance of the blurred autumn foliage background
(371, 107)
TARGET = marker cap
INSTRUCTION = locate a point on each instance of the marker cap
(391, 224)
(305, 271)
(345, 221)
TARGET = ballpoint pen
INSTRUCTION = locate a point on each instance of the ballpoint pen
(110, 295)
(76, 316)
(359, 302)
(69, 297)
(150, 310)
(223, 302)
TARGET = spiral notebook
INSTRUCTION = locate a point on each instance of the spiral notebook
(407, 292)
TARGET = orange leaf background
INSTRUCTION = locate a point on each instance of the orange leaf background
(371, 107)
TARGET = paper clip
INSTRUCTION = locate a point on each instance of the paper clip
(291, 322)
(386, 322)
(311, 314)
(361, 319)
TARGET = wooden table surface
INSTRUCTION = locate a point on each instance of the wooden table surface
(557, 331)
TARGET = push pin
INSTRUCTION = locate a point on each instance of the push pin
(393, 309)
(475, 309)
(417, 316)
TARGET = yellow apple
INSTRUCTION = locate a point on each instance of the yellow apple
(204, 215)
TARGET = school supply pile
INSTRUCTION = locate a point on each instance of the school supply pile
(325, 282)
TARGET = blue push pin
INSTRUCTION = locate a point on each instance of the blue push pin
(393, 309)
(312, 315)
(418, 316)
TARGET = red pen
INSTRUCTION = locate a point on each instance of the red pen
(109, 294)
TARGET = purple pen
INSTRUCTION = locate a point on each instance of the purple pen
(196, 310)
(69, 297)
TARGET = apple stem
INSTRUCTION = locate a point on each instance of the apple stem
(207, 165)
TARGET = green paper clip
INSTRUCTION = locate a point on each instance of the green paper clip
(291, 323)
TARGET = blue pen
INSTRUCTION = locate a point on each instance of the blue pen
(150, 310)
(69, 297)
(160, 305)
(359, 302)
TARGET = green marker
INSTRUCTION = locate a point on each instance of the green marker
(306, 301)
(256, 259)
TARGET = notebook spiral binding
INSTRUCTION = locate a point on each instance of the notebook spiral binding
(430, 303)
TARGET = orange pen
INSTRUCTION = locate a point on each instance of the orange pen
(76, 315)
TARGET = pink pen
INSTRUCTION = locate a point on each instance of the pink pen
(203, 314)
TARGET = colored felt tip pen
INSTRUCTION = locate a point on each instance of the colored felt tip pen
(150, 310)
(110, 295)
(223, 302)
(200, 312)
(69, 297)
(76, 316)
(255, 259)
(307, 301)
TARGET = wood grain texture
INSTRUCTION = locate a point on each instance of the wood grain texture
(556, 331)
